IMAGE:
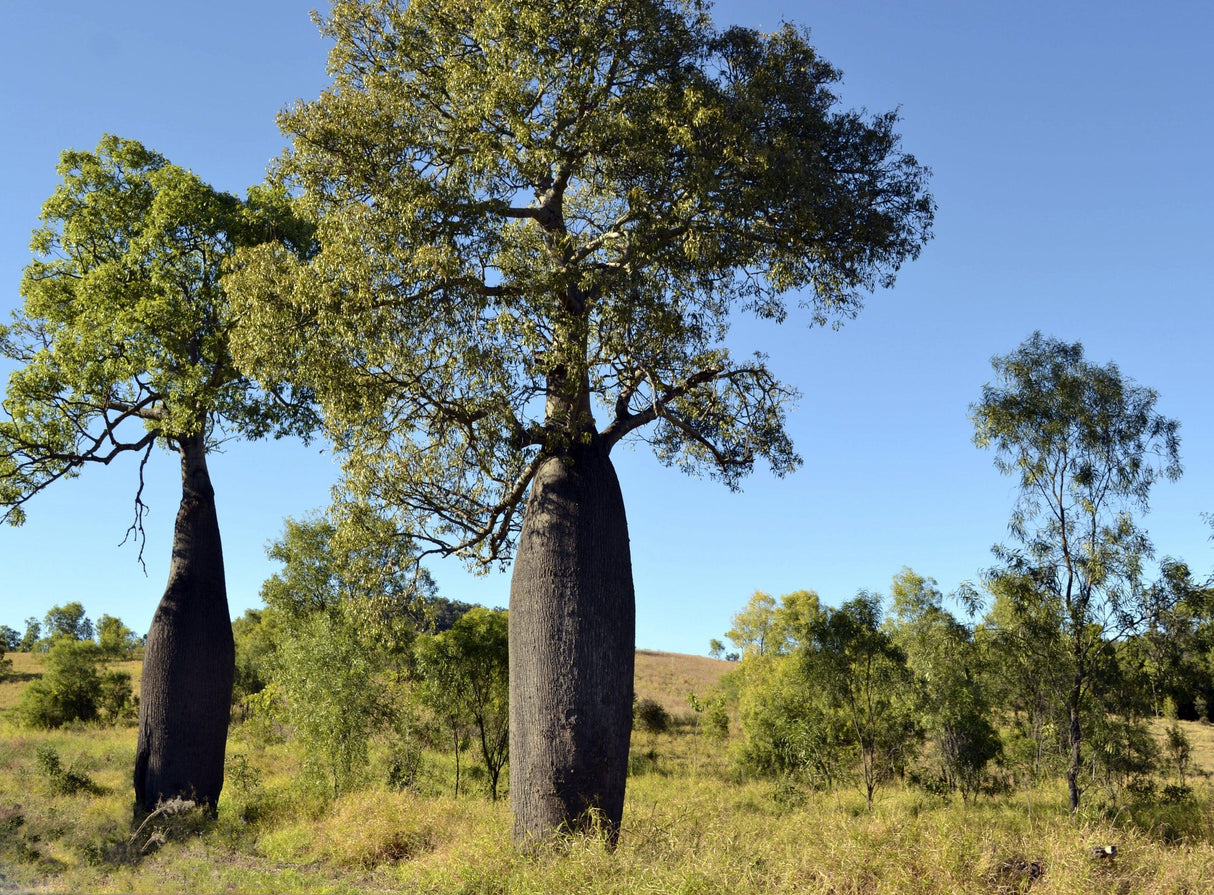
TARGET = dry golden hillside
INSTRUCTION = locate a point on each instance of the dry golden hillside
(669, 677)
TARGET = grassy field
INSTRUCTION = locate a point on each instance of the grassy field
(691, 826)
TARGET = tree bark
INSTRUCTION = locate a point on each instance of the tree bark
(189, 663)
(1075, 735)
(572, 641)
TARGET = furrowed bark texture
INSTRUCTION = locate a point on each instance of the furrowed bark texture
(190, 659)
(572, 635)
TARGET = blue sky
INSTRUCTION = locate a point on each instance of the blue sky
(1070, 145)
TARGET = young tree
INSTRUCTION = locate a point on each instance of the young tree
(863, 674)
(1086, 445)
(123, 342)
(948, 668)
(534, 214)
(116, 640)
(69, 690)
(467, 680)
(339, 617)
(753, 625)
(33, 633)
(69, 621)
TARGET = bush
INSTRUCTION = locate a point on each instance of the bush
(63, 781)
(651, 716)
(68, 691)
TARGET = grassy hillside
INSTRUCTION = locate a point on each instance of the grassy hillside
(29, 666)
(669, 677)
(692, 824)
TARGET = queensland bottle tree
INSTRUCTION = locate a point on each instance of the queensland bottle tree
(537, 220)
(122, 347)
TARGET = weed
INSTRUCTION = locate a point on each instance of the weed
(63, 781)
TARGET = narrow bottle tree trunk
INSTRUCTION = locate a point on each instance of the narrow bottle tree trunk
(572, 636)
(189, 663)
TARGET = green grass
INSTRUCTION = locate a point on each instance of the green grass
(691, 825)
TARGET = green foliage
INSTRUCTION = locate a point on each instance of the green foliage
(72, 689)
(340, 618)
(33, 633)
(562, 202)
(717, 719)
(369, 576)
(254, 635)
(950, 671)
(69, 621)
(864, 676)
(754, 625)
(1085, 445)
(331, 696)
(115, 698)
(829, 686)
(465, 676)
(1179, 751)
(69, 690)
(123, 337)
(10, 638)
(651, 716)
(116, 640)
(63, 781)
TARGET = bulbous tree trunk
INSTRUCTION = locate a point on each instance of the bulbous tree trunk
(572, 636)
(189, 663)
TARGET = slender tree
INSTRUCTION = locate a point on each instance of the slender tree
(465, 671)
(539, 214)
(123, 342)
(1086, 444)
(948, 667)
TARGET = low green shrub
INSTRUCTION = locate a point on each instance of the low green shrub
(63, 781)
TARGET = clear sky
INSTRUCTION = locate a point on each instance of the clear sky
(1070, 144)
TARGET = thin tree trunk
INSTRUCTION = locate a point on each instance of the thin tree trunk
(572, 637)
(189, 663)
(1076, 743)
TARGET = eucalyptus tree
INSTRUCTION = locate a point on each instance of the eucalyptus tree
(537, 220)
(949, 668)
(1086, 445)
(122, 343)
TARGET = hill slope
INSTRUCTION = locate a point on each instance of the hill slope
(669, 677)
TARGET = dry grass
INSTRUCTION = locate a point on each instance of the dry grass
(669, 677)
(690, 826)
(1201, 735)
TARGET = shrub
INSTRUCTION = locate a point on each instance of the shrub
(1180, 750)
(63, 781)
(68, 691)
(651, 716)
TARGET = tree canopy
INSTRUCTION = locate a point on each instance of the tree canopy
(1086, 445)
(123, 335)
(530, 212)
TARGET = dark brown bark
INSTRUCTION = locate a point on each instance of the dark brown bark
(572, 636)
(1075, 735)
(190, 659)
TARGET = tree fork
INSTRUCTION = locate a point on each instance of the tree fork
(189, 663)
(572, 636)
